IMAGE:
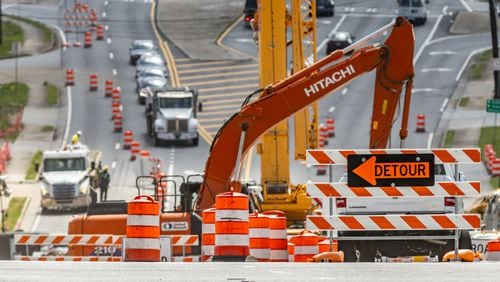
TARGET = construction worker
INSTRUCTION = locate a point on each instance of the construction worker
(75, 140)
(104, 180)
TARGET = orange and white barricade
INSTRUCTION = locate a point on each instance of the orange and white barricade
(493, 248)
(143, 230)
(116, 108)
(70, 77)
(324, 246)
(135, 150)
(495, 167)
(231, 227)
(323, 134)
(278, 241)
(128, 138)
(99, 32)
(306, 245)
(68, 258)
(330, 125)
(116, 94)
(321, 169)
(259, 234)
(87, 39)
(108, 88)
(291, 252)
(118, 123)
(420, 123)
(93, 82)
(207, 233)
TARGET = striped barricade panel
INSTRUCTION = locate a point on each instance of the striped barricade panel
(445, 188)
(76, 240)
(393, 222)
(339, 157)
(67, 258)
(184, 240)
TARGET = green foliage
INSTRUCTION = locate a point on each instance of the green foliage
(486, 137)
(449, 138)
(47, 32)
(14, 210)
(52, 93)
(11, 33)
(464, 102)
(31, 173)
(47, 128)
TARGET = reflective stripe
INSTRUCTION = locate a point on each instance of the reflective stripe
(143, 220)
(260, 253)
(145, 243)
(277, 234)
(306, 250)
(231, 215)
(208, 228)
(207, 250)
(259, 233)
(278, 255)
(231, 240)
(66, 258)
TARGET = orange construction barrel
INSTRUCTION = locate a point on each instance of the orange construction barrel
(306, 245)
(259, 233)
(493, 249)
(207, 233)
(278, 242)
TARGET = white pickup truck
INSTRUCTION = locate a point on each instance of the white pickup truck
(367, 245)
(67, 177)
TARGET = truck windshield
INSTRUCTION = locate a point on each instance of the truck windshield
(175, 102)
(66, 164)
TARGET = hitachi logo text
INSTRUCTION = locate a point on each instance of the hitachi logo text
(329, 80)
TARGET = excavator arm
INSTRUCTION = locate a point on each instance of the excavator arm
(393, 62)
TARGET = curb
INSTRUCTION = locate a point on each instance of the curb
(23, 213)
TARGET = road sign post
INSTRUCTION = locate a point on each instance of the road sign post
(493, 106)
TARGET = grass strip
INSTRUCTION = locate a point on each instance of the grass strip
(449, 138)
(14, 212)
(37, 158)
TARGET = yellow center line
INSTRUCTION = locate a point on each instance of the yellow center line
(198, 70)
(226, 74)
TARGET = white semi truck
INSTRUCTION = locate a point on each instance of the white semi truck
(67, 178)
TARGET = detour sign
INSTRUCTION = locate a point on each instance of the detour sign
(390, 170)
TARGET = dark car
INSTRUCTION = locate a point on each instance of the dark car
(139, 48)
(325, 8)
(149, 85)
(338, 40)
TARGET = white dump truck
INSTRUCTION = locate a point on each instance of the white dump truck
(68, 178)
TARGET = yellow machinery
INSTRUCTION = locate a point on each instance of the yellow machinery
(278, 192)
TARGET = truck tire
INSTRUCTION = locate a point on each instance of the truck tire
(149, 126)
(142, 100)
(196, 141)
(464, 242)
(45, 210)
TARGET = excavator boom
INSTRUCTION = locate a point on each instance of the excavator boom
(393, 62)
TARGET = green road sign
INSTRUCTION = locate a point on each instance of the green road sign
(493, 105)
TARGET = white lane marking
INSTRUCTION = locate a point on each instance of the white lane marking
(111, 55)
(115, 72)
(103, 15)
(244, 40)
(466, 62)
(34, 227)
(436, 69)
(445, 8)
(429, 140)
(434, 53)
(466, 5)
(323, 43)
(113, 165)
(427, 40)
(108, 40)
(344, 91)
(416, 90)
(332, 108)
(443, 106)
(277, 271)
(106, 3)
(117, 146)
(457, 37)
(106, 27)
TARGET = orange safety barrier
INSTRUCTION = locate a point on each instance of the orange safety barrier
(93, 82)
(328, 257)
(495, 166)
(493, 249)
(330, 125)
(134, 150)
(231, 227)
(99, 32)
(321, 169)
(116, 93)
(116, 108)
(143, 230)
(306, 245)
(118, 123)
(324, 246)
(259, 233)
(145, 154)
(128, 138)
(70, 77)
(87, 39)
(291, 252)
(420, 123)
(323, 134)
(278, 242)
(207, 233)
(108, 88)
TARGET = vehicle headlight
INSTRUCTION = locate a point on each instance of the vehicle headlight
(193, 124)
(160, 125)
(84, 189)
(84, 185)
(44, 188)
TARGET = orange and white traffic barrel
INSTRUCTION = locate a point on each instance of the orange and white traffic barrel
(321, 141)
(324, 246)
(93, 82)
(493, 249)
(143, 230)
(207, 233)
(116, 108)
(323, 134)
(99, 32)
(330, 124)
(420, 123)
(231, 227)
(291, 252)
(108, 88)
(70, 77)
(116, 94)
(87, 39)
(306, 245)
(118, 123)
(135, 150)
(128, 138)
(278, 242)
(259, 233)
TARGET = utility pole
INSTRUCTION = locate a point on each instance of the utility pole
(1, 26)
(494, 46)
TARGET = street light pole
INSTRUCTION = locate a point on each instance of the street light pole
(494, 46)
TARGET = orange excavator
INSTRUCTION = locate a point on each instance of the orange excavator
(393, 62)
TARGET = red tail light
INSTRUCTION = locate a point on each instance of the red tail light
(340, 202)
(247, 19)
(449, 201)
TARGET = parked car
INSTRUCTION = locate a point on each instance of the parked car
(325, 8)
(151, 72)
(338, 40)
(151, 62)
(147, 86)
(139, 48)
(414, 10)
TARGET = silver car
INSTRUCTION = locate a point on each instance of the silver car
(151, 62)
(141, 47)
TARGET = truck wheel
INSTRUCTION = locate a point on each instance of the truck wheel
(142, 100)
(196, 141)
(45, 210)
